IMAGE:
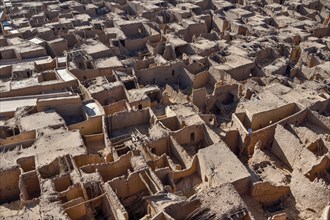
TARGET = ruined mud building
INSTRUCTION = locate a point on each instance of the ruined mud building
(165, 109)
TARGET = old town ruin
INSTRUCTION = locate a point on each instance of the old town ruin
(165, 109)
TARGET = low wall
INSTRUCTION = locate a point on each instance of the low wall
(66, 106)
(128, 119)
(25, 136)
(92, 125)
(39, 89)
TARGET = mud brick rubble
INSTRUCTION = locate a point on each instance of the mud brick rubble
(165, 109)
